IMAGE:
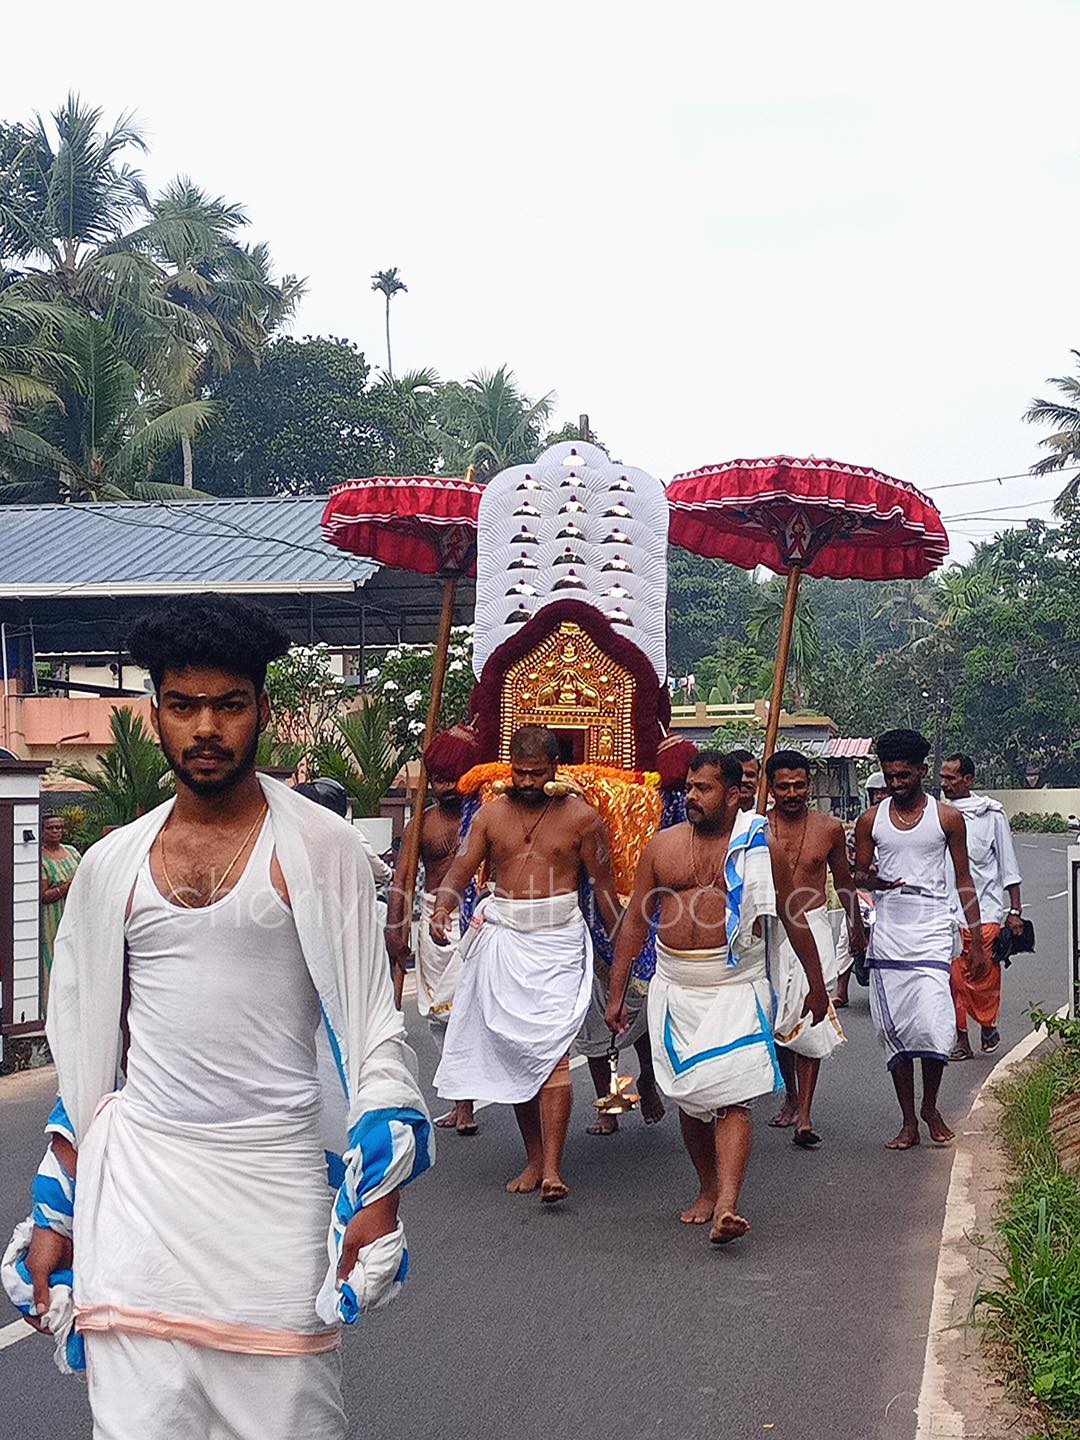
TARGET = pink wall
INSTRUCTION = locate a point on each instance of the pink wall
(45, 726)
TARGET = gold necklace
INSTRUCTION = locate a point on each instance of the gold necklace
(894, 816)
(228, 869)
(705, 884)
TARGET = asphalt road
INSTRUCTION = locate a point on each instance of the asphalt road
(605, 1315)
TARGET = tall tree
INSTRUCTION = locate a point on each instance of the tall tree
(304, 420)
(1064, 443)
(489, 423)
(390, 283)
(104, 437)
(763, 629)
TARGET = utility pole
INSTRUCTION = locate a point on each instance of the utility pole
(583, 428)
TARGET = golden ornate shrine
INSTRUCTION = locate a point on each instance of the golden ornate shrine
(568, 684)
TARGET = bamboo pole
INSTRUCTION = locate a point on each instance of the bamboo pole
(438, 678)
(776, 703)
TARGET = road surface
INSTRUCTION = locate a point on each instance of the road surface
(605, 1315)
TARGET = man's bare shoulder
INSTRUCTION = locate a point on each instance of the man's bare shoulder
(670, 842)
(828, 826)
(951, 819)
(866, 820)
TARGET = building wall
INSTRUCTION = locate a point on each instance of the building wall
(1038, 802)
(59, 730)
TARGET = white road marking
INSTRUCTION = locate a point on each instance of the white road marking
(937, 1419)
(1029, 844)
(11, 1334)
(1057, 895)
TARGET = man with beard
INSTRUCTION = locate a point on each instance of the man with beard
(718, 879)
(527, 957)
(438, 966)
(204, 948)
(814, 845)
(997, 876)
(902, 849)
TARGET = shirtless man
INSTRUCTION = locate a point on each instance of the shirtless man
(813, 844)
(710, 1010)
(527, 957)
(438, 966)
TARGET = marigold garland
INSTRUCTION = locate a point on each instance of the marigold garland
(628, 802)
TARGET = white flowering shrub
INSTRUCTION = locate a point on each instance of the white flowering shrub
(401, 678)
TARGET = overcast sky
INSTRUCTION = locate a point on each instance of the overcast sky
(722, 229)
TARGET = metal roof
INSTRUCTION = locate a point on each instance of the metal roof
(838, 747)
(255, 546)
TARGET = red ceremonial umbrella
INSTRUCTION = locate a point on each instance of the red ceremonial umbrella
(820, 517)
(423, 523)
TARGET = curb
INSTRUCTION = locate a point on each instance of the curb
(936, 1418)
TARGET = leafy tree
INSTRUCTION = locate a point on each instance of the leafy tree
(104, 437)
(390, 283)
(361, 756)
(130, 778)
(402, 682)
(708, 603)
(303, 421)
(488, 423)
(763, 629)
(1064, 443)
(306, 699)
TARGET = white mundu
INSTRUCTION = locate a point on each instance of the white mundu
(794, 1030)
(438, 967)
(914, 939)
(525, 985)
(206, 1237)
(710, 1011)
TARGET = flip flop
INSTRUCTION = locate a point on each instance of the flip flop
(806, 1139)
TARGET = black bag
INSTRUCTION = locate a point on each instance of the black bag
(1007, 944)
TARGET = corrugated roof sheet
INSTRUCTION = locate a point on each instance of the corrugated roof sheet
(137, 547)
(840, 748)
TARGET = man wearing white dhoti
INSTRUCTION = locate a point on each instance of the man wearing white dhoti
(902, 849)
(814, 845)
(438, 967)
(718, 880)
(203, 948)
(527, 956)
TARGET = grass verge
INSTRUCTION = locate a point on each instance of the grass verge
(1034, 1313)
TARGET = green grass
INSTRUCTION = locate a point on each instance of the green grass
(1034, 1313)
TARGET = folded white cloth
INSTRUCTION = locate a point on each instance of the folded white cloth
(60, 1317)
(374, 1280)
(794, 1030)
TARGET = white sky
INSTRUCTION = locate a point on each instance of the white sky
(720, 228)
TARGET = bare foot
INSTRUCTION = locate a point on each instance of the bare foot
(525, 1183)
(785, 1117)
(466, 1120)
(447, 1121)
(553, 1189)
(603, 1125)
(727, 1226)
(907, 1139)
(701, 1211)
(940, 1133)
(652, 1105)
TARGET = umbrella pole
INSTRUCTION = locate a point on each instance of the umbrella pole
(787, 623)
(438, 678)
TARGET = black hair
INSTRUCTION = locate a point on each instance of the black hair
(786, 760)
(534, 742)
(966, 763)
(906, 745)
(741, 755)
(217, 630)
(327, 792)
(727, 763)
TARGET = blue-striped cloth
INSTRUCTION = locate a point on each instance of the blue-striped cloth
(70, 1353)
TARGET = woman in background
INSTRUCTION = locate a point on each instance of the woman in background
(58, 865)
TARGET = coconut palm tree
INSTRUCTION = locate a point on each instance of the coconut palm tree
(362, 756)
(103, 438)
(390, 284)
(763, 628)
(1064, 443)
(31, 360)
(489, 423)
(225, 286)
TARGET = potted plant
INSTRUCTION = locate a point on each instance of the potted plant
(363, 757)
